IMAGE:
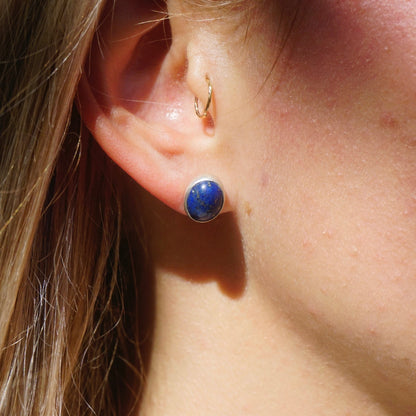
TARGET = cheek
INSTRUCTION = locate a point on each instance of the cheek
(333, 236)
(337, 42)
(340, 195)
(328, 184)
(333, 173)
(341, 160)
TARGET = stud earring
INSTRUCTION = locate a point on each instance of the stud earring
(204, 199)
(196, 102)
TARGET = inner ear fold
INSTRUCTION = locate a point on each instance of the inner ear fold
(135, 64)
(139, 78)
(135, 99)
(127, 53)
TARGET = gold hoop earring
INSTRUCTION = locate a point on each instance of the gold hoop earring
(196, 102)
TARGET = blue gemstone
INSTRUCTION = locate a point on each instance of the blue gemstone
(204, 200)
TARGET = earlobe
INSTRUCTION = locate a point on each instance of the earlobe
(137, 103)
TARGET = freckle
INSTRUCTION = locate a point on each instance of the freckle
(387, 121)
(248, 208)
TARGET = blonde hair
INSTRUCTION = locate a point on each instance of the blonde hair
(69, 340)
(60, 225)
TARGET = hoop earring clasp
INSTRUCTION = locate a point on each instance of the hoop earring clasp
(196, 102)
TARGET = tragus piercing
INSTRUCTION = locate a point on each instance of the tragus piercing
(204, 199)
(196, 102)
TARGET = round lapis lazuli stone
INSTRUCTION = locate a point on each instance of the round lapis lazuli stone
(204, 200)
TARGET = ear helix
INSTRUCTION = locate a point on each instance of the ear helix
(204, 197)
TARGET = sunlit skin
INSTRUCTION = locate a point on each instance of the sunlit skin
(334, 212)
(301, 298)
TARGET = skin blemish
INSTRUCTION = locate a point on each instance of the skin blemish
(387, 121)
(308, 245)
(247, 208)
(409, 141)
(265, 179)
(284, 114)
(209, 125)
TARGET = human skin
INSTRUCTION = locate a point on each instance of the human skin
(334, 216)
(300, 299)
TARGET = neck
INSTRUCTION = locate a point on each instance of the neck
(221, 346)
(213, 354)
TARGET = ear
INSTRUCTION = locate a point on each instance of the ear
(136, 96)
